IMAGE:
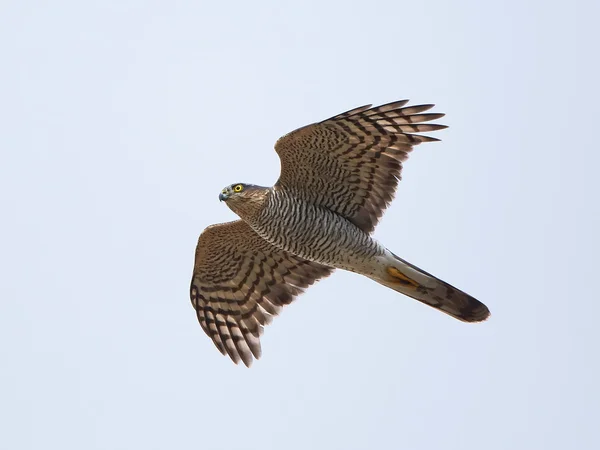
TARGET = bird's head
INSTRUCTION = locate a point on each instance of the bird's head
(236, 192)
(244, 199)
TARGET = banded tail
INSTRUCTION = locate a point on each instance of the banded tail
(416, 283)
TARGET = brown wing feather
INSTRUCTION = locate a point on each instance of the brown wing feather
(352, 162)
(240, 282)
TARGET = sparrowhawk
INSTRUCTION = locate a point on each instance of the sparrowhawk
(337, 178)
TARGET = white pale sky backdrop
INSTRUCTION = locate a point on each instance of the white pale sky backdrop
(120, 121)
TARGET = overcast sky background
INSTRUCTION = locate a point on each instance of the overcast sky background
(121, 121)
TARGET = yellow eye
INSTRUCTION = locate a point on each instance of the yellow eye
(238, 188)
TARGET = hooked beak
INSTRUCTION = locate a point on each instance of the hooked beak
(223, 196)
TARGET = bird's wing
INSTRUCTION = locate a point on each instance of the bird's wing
(240, 282)
(352, 162)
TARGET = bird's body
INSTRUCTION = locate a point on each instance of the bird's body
(337, 178)
(313, 232)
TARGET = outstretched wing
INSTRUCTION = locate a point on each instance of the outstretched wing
(240, 282)
(351, 163)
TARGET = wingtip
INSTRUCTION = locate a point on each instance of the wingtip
(247, 362)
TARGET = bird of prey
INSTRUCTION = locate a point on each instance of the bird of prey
(337, 178)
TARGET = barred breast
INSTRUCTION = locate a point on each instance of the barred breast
(315, 233)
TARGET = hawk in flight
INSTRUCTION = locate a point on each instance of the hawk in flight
(337, 178)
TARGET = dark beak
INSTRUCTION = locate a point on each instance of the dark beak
(222, 197)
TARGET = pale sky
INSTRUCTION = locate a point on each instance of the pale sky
(120, 122)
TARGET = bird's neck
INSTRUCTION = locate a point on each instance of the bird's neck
(249, 210)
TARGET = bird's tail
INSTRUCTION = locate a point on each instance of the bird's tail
(403, 277)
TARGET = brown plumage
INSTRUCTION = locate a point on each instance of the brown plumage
(337, 178)
(240, 281)
(356, 157)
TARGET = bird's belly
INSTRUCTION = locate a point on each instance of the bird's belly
(320, 235)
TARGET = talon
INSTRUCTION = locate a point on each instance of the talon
(399, 277)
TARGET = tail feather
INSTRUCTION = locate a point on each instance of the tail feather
(416, 283)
